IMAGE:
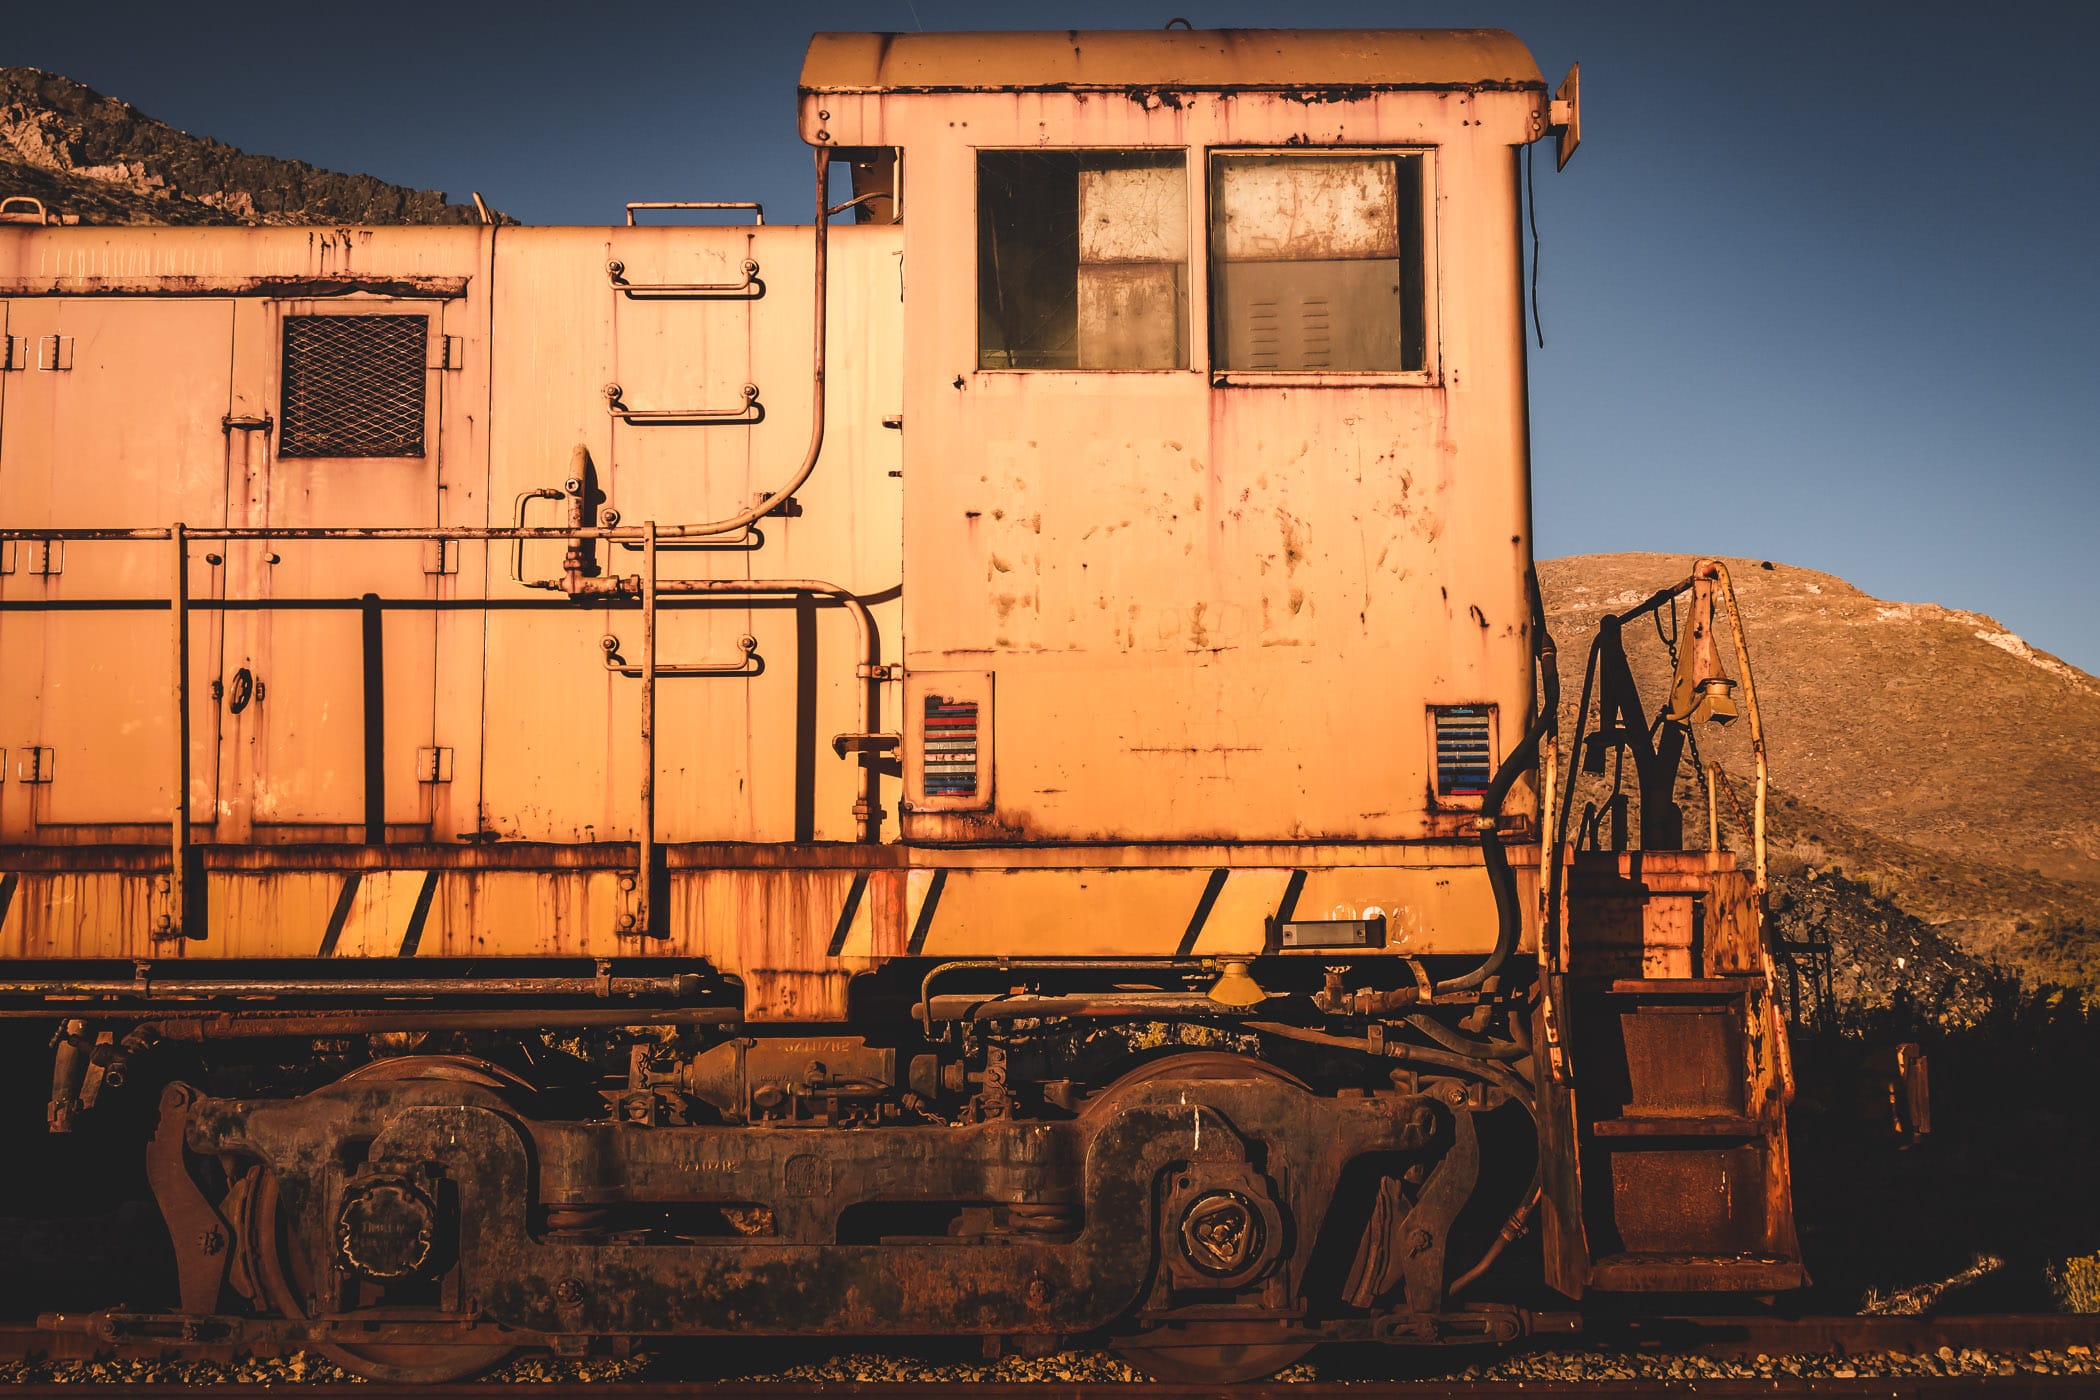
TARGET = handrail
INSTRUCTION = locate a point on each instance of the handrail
(758, 210)
(616, 277)
(750, 411)
(174, 922)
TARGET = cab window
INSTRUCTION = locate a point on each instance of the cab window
(1082, 260)
(1317, 262)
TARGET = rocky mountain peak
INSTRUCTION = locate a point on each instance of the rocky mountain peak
(106, 162)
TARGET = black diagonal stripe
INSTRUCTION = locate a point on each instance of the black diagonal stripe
(414, 936)
(1285, 908)
(1209, 899)
(340, 915)
(8, 882)
(845, 923)
(924, 923)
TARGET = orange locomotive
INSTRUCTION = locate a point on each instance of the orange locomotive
(978, 769)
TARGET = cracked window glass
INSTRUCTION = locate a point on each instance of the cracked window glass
(1082, 260)
(1316, 263)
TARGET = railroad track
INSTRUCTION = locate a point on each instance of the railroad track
(1890, 1357)
(1902, 1388)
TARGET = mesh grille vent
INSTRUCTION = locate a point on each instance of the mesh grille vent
(951, 747)
(1464, 758)
(353, 386)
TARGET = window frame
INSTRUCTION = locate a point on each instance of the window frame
(1194, 266)
(1431, 373)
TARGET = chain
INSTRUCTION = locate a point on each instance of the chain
(1691, 732)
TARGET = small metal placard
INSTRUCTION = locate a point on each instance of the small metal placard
(1329, 933)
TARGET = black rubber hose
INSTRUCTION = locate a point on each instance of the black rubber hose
(1502, 879)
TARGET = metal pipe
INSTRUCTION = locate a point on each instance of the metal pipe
(1502, 879)
(733, 523)
(248, 1025)
(963, 1006)
(1485, 1049)
(939, 970)
(1496, 1074)
(175, 922)
(517, 549)
(642, 920)
(143, 988)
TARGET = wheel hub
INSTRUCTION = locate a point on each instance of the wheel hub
(385, 1229)
(1221, 1233)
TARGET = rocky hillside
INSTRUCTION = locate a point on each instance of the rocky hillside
(1927, 755)
(108, 163)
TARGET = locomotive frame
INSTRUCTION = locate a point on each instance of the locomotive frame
(1230, 917)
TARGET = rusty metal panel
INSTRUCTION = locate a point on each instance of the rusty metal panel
(742, 758)
(1684, 1062)
(131, 436)
(1315, 60)
(1700, 1203)
(1086, 535)
(301, 749)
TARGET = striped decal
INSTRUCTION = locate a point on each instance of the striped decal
(928, 898)
(340, 915)
(854, 894)
(1212, 888)
(948, 747)
(420, 915)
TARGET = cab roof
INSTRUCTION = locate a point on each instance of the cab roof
(1204, 60)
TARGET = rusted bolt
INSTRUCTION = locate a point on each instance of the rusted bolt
(211, 1241)
(569, 1292)
(1417, 1241)
(1038, 1291)
(626, 921)
(627, 882)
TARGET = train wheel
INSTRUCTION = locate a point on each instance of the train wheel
(283, 1269)
(1181, 1354)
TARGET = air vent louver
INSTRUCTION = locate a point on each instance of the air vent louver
(1465, 759)
(950, 747)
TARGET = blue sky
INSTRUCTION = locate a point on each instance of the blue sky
(1819, 288)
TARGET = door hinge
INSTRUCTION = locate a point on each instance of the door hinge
(434, 765)
(441, 556)
(42, 556)
(451, 352)
(54, 352)
(36, 765)
(14, 352)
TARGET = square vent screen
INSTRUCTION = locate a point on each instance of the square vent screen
(353, 386)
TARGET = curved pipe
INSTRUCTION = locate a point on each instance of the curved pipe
(1509, 913)
(1484, 1049)
(729, 525)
